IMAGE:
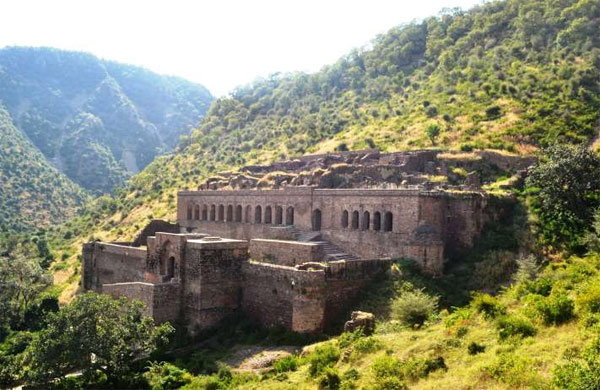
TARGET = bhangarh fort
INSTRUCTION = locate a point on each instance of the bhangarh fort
(294, 243)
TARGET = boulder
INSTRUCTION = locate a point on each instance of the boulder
(361, 320)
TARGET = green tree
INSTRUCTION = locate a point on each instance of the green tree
(22, 279)
(565, 188)
(432, 132)
(592, 238)
(95, 333)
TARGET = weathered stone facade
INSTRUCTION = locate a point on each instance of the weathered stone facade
(200, 281)
(304, 237)
(366, 223)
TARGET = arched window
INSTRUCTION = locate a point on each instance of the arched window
(221, 216)
(377, 221)
(268, 214)
(204, 213)
(366, 221)
(248, 217)
(189, 211)
(258, 214)
(289, 216)
(345, 219)
(238, 213)
(170, 268)
(213, 213)
(229, 213)
(197, 212)
(355, 220)
(388, 222)
(278, 215)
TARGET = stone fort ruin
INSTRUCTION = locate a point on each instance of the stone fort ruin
(294, 243)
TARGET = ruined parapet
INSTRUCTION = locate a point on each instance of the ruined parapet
(153, 227)
(161, 301)
(282, 252)
(308, 297)
(212, 281)
(105, 263)
(276, 295)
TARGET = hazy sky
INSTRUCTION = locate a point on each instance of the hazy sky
(220, 43)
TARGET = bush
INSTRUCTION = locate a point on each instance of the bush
(330, 379)
(323, 357)
(412, 368)
(513, 326)
(431, 111)
(555, 309)
(390, 383)
(288, 363)
(527, 269)
(493, 112)
(582, 371)
(488, 305)
(541, 286)
(164, 376)
(588, 302)
(351, 374)
(367, 344)
(387, 366)
(414, 307)
(475, 348)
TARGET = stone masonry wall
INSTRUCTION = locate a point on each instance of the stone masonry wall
(305, 299)
(161, 300)
(353, 219)
(276, 295)
(106, 263)
(345, 280)
(289, 253)
(211, 281)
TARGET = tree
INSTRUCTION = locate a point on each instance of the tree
(95, 333)
(22, 279)
(432, 132)
(565, 189)
(592, 238)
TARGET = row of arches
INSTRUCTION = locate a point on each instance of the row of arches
(230, 213)
(356, 221)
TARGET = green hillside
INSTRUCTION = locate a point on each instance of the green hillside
(513, 75)
(509, 75)
(32, 192)
(96, 121)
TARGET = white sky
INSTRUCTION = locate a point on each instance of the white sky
(220, 43)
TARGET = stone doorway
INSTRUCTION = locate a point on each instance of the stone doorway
(316, 220)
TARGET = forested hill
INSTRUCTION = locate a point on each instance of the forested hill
(96, 121)
(513, 75)
(32, 191)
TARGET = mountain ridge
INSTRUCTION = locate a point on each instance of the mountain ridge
(483, 83)
(33, 193)
(140, 114)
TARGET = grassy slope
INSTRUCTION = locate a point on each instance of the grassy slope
(542, 80)
(535, 60)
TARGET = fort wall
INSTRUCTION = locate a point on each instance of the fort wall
(277, 295)
(306, 298)
(161, 300)
(106, 263)
(288, 253)
(212, 281)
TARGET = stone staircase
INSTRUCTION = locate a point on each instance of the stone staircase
(307, 236)
(332, 252)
